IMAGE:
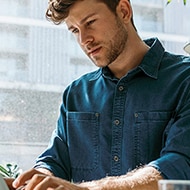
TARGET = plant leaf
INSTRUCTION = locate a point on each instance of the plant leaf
(169, 1)
(4, 172)
(10, 170)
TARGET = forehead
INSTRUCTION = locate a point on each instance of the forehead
(83, 8)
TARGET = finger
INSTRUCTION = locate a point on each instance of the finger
(24, 177)
(35, 182)
(45, 182)
(61, 187)
(66, 185)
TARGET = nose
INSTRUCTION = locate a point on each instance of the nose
(84, 37)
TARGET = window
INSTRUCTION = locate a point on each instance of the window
(38, 60)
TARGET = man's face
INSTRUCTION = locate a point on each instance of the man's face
(100, 33)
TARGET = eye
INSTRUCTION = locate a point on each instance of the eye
(90, 22)
(75, 31)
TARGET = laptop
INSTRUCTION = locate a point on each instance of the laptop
(3, 185)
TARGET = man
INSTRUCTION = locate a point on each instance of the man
(126, 125)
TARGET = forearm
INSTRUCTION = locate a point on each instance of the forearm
(141, 179)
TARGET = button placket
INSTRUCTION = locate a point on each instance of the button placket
(119, 103)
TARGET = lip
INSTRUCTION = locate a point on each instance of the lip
(94, 51)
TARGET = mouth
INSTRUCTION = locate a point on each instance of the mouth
(94, 52)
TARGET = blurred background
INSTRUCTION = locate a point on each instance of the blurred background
(38, 60)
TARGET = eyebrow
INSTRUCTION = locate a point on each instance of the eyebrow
(83, 20)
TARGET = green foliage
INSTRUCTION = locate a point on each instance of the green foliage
(184, 2)
(10, 170)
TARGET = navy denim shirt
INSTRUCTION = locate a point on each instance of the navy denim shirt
(109, 126)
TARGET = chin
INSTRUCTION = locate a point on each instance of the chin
(101, 65)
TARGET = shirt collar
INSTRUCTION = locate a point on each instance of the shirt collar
(152, 60)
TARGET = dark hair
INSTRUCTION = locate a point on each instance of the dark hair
(58, 10)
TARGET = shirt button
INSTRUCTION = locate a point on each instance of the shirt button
(116, 159)
(97, 114)
(136, 115)
(121, 88)
(117, 122)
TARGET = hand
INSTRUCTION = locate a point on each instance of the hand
(22, 179)
(36, 180)
(42, 182)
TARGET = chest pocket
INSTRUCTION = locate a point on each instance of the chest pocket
(148, 133)
(83, 139)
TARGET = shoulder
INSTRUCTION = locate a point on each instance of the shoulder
(175, 63)
(175, 69)
(85, 79)
(94, 75)
(176, 59)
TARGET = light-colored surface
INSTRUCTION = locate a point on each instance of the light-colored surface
(187, 48)
(3, 185)
(174, 184)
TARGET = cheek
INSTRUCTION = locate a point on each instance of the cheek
(108, 34)
(83, 48)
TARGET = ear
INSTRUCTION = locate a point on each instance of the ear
(124, 10)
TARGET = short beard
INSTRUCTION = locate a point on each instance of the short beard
(118, 42)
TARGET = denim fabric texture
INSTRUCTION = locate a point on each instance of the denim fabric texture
(109, 126)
